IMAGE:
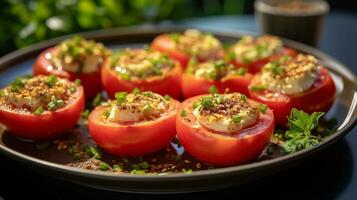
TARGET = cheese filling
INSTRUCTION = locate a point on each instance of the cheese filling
(78, 55)
(141, 63)
(226, 113)
(136, 107)
(40, 92)
(249, 49)
(290, 75)
(196, 43)
(213, 70)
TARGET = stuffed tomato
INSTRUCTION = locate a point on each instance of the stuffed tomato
(254, 53)
(191, 43)
(225, 129)
(146, 69)
(199, 77)
(41, 107)
(296, 82)
(136, 123)
(75, 58)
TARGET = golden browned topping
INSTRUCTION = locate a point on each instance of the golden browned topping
(37, 94)
(213, 70)
(196, 43)
(141, 63)
(249, 49)
(138, 106)
(78, 55)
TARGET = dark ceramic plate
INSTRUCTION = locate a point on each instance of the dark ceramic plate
(53, 162)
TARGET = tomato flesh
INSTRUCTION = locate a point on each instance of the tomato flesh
(223, 149)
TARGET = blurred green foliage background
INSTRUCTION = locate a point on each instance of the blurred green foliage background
(23, 22)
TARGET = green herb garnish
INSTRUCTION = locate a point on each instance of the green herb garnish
(38, 111)
(72, 89)
(17, 84)
(213, 90)
(207, 102)
(147, 108)
(236, 119)
(141, 172)
(125, 75)
(55, 103)
(51, 80)
(243, 97)
(189, 171)
(77, 82)
(262, 108)
(117, 168)
(183, 113)
(136, 91)
(167, 97)
(258, 88)
(276, 68)
(97, 100)
(241, 71)
(121, 97)
(103, 166)
(299, 135)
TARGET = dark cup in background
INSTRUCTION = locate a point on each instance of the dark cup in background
(299, 20)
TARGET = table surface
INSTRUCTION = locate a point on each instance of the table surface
(329, 175)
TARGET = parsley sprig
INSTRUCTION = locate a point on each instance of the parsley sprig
(299, 135)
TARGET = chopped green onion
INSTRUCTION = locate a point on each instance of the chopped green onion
(77, 82)
(147, 108)
(236, 119)
(167, 97)
(207, 102)
(134, 171)
(103, 166)
(117, 168)
(136, 91)
(106, 113)
(258, 88)
(121, 97)
(51, 80)
(241, 71)
(243, 97)
(149, 94)
(39, 111)
(262, 108)
(97, 100)
(183, 113)
(125, 76)
(189, 171)
(72, 89)
(213, 90)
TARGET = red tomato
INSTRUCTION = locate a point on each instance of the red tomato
(256, 66)
(91, 82)
(319, 98)
(164, 43)
(45, 126)
(132, 139)
(193, 86)
(223, 149)
(170, 84)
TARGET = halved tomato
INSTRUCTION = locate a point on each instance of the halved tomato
(169, 84)
(218, 148)
(256, 66)
(49, 124)
(91, 82)
(164, 43)
(193, 86)
(319, 98)
(135, 138)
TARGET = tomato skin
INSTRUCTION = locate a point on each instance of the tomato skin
(219, 149)
(46, 126)
(256, 66)
(170, 84)
(319, 98)
(91, 83)
(132, 140)
(193, 86)
(165, 44)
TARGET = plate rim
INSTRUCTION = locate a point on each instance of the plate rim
(140, 31)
